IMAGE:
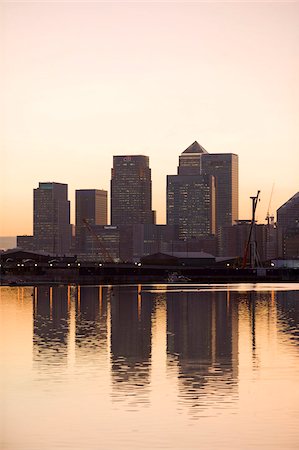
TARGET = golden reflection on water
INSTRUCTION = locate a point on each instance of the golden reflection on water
(150, 364)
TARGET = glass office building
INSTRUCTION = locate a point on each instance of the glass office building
(131, 191)
(51, 218)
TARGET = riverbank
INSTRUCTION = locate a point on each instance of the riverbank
(128, 274)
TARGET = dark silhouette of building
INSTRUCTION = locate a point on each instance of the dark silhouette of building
(26, 242)
(191, 197)
(288, 228)
(131, 191)
(225, 168)
(203, 196)
(232, 239)
(91, 206)
(191, 205)
(190, 160)
(51, 218)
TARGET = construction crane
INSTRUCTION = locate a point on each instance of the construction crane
(251, 242)
(105, 253)
(268, 217)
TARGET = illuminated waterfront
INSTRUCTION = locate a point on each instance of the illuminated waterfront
(178, 367)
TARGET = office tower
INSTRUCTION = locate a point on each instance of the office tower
(191, 205)
(131, 190)
(191, 196)
(224, 167)
(91, 207)
(288, 228)
(196, 161)
(51, 218)
(190, 160)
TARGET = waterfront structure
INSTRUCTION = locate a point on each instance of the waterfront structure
(91, 209)
(131, 191)
(51, 218)
(288, 228)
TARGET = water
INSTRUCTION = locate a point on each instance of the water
(149, 367)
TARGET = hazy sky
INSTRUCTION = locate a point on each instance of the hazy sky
(81, 82)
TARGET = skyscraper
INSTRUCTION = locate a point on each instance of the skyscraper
(211, 181)
(91, 206)
(190, 160)
(51, 218)
(288, 228)
(225, 168)
(131, 190)
(191, 205)
(191, 196)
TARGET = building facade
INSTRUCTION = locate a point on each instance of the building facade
(188, 198)
(131, 191)
(191, 196)
(191, 205)
(91, 209)
(51, 218)
(26, 242)
(225, 168)
(288, 228)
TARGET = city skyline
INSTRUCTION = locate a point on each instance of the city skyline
(108, 212)
(76, 92)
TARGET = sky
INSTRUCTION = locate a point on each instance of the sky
(81, 82)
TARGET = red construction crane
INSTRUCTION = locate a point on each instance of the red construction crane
(105, 253)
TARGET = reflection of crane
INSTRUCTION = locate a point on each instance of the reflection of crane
(251, 242)
(105, 253)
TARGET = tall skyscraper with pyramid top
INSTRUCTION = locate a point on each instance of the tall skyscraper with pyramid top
(203, 196)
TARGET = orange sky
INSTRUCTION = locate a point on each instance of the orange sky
(80, 83)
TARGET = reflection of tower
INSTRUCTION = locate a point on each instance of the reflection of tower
(130, 339)
(288, 307)
(91, 319)
(51, 323)
(202, 330)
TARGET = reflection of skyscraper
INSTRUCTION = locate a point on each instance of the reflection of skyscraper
(288, 306)
(51, 221)
(130, 338)
(91, 319)
(202, 332)
(50, 323)
(131, 190)
(91, 206)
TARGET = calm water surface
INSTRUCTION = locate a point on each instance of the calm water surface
(149, 367)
